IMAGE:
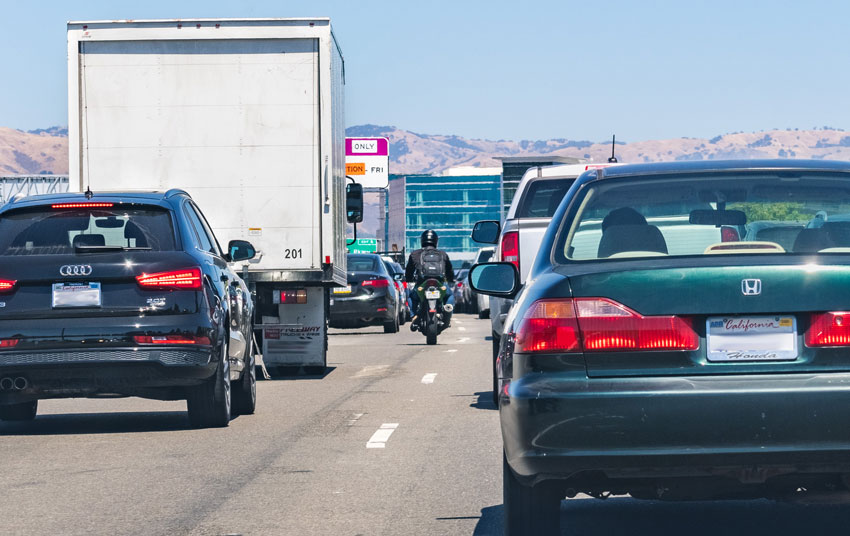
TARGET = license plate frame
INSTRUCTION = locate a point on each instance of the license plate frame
(342, 290)
(76, 295)
(733, 339)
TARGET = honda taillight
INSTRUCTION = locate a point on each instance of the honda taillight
(829, 329)
(171, 339)
(510, 248)
(607, 326)
(376, 283)
(599, 325)
(188, 278)
(7, 284)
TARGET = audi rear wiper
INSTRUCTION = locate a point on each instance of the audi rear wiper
(97, 249)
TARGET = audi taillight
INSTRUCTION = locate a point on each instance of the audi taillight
(8, 343)
(7, 285)
(829, 329)
(171, 339)
(599, 325)
(187, 278)
(376, 283)
(510, 248)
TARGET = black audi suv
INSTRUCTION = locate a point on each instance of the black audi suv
(370, 298)
(122, 294)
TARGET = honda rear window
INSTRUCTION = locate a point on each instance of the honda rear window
(57, 231)
(719, 214)
(542, 197)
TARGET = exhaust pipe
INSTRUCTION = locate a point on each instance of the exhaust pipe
(448, 308)
(6, 384)
(21, 383)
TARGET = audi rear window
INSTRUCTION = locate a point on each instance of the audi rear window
(362, 264)
(56, 231)
(542, 197)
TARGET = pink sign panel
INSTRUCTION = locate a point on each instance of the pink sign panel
(367, 147)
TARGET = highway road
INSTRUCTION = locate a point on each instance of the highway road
(398, 438)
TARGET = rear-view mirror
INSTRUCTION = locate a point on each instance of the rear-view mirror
(486, 231)
(240, 250)
(109, 222)
(494, 279)
(354, 202)
(717, 218)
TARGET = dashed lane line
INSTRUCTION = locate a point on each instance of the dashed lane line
(429, 378)
(450, 351)
(381, 436)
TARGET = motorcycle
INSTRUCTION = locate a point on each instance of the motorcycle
(433, 311)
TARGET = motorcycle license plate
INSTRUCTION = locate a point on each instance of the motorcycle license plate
(432, 294)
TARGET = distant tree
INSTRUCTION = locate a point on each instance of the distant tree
(788, 211)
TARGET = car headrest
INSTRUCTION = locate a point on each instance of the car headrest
(641, 237)
(812, 241)
(623, 216)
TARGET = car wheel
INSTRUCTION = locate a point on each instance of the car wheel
(25, 411)
(484, 314)
(245, 391)
(495, 372)
(529, 509)
(391, 326)
(496, 339)
(209, 403)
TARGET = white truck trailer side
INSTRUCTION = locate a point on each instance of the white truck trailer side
(247, 116)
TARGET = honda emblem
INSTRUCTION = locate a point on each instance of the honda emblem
(751, 287)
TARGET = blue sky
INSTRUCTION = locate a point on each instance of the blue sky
(514, 70)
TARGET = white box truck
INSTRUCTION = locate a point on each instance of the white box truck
(246, 115)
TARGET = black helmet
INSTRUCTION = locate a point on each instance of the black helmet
(429, 238)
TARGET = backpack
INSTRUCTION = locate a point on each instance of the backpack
(432, 264)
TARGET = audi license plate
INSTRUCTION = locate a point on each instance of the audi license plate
(432, 294)
(76, 295)
(342, 290)
(752, 338)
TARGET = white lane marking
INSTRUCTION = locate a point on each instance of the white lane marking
(379, 439)
(450, 351)
(463, 339)
(429, 378)
(461, 328)
(354, 418)
(372, 370)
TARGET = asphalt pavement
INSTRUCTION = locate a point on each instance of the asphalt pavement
(397, 438)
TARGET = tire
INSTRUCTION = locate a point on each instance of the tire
(431, 334)
(245, 391)
(391, 326)
(530, 509)
(209, 403)
(484, 314)
(25, 411)
(495, 372)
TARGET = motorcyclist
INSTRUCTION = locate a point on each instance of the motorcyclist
(413, 273)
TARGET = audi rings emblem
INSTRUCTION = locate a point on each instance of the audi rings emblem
(75, 269)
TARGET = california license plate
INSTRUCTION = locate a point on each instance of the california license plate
(76, 295)
(432, 294)
(342, 290)
(753, 338)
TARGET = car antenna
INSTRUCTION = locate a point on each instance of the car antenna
(613, 159)
(88, 193)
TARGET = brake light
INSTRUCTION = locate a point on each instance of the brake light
(729, 234)
(599, 325)
(187, 278)
(459, 284)
(171, 339)
(549, 326)
(377, 283)
(81, 205)
(829, 329)
(7, 284)
(510, 248)
(290, 296)
(8, 343)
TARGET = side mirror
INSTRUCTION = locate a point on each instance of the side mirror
(354, 202)
(240, 250)
(398, 277)
(499, 279)
(486, 231)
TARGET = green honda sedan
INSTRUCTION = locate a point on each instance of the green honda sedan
(684, 334)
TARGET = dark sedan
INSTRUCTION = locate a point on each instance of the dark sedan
(657, 352)
(369, 299)
(122, 294)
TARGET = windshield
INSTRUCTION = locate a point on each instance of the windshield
(710, 215)
(48, 231)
